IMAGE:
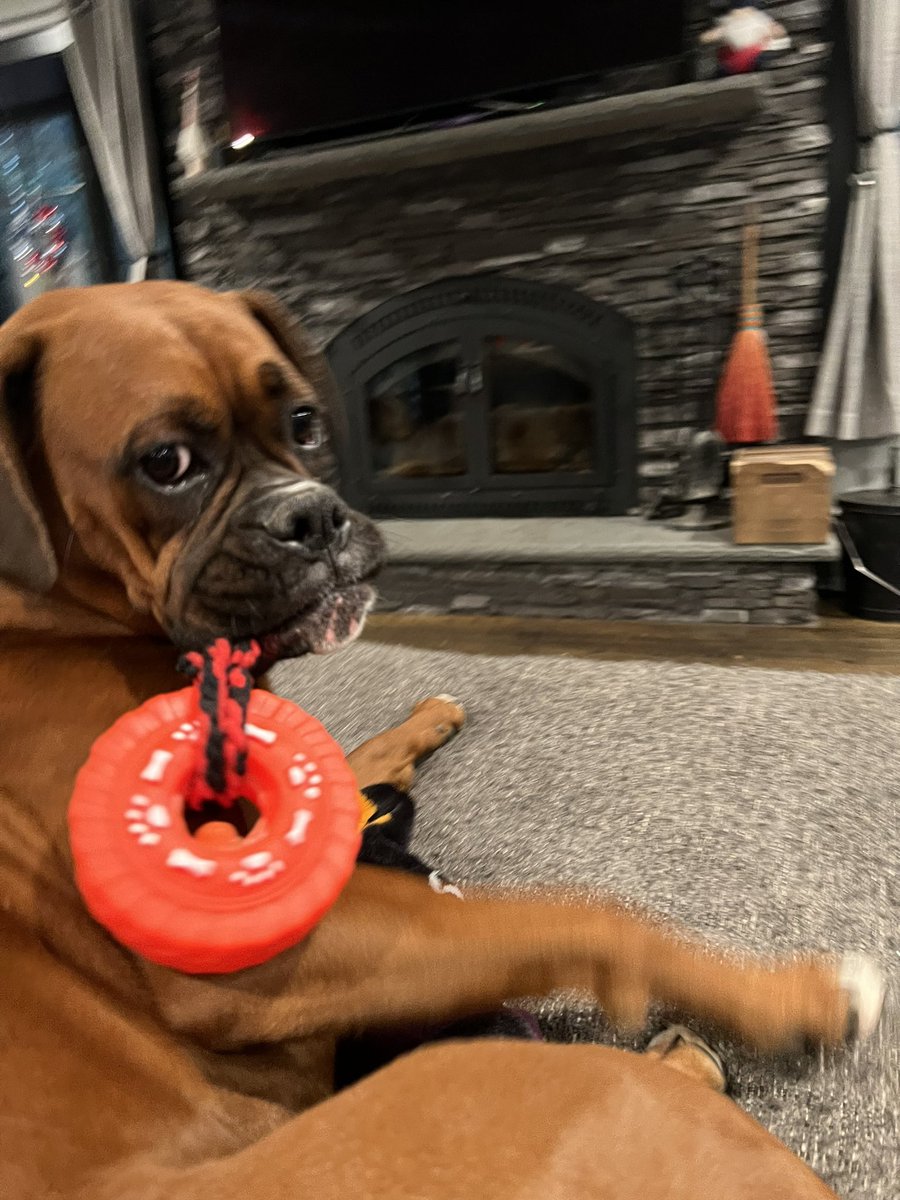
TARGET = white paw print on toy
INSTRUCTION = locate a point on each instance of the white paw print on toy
(305, 774)
(188, 732)
(258, 868)
(146, 819)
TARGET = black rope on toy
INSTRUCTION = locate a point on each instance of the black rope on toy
(223, 676)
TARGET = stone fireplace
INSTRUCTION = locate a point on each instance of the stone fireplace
(528, 318)
(616, 203)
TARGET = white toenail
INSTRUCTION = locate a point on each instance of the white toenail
(863, 980)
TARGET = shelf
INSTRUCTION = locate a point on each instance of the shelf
(664, 110)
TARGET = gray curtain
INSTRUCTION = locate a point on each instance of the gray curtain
(22, 18)
(104, 71)
(857, 392)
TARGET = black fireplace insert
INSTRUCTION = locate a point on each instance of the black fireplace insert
(489, 396)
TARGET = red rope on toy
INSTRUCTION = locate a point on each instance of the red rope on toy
(223, 679)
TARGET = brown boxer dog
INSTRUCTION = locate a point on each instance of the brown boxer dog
(160, 458)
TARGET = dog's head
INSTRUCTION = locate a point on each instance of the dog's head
(176, 441)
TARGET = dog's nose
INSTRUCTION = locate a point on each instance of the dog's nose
(311, 517)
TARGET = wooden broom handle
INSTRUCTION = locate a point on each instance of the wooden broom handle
(750, 265)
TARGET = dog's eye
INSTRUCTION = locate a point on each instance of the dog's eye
(306, 427)
(167, 464)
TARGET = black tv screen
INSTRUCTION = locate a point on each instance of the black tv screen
(299, 67)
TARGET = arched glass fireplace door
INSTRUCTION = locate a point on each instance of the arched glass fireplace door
(489, 396)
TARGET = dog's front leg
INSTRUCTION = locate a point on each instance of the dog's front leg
(393, 951)
(392, 756)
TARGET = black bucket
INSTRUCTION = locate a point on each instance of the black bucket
(870, 534)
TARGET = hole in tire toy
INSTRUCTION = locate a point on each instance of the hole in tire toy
(214, 826)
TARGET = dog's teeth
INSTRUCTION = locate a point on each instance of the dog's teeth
(864, 982)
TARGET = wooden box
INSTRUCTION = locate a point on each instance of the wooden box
(781, 495)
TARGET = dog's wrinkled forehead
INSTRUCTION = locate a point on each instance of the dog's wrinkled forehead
(126, 359)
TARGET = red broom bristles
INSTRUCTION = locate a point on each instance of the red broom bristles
(745, 402)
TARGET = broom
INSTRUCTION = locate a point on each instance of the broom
(745, 402)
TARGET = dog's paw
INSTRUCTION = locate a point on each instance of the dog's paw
(678, 1043)
(865, 986)
(446, 712)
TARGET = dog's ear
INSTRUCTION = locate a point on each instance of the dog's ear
(294, 343)
(26, 555)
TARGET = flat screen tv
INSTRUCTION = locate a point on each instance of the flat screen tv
(301, 70)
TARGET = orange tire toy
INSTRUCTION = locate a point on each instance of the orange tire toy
(211, 900)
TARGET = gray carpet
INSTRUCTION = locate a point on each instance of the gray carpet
(758, 807)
